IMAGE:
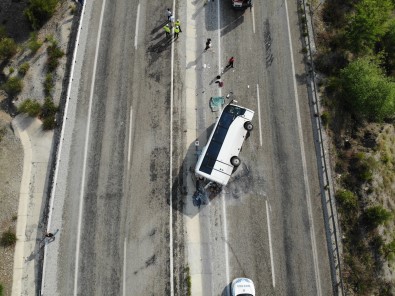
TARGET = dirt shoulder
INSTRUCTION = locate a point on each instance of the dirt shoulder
(11, 150)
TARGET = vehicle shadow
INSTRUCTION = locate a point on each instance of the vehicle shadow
(185, 184)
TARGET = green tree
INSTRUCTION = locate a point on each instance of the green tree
(389, 45)
(39, 11)
(377, 215)
(367, 24)
(367, 92)
(8, 48)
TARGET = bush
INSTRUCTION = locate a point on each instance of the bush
(346, 199)
(39, 11)
(31, 107)
(325, 117)
(34, 44)
(8, 48)
(8, 238)
(376, 215)
(24, 68)
(49, 122)
(48, 113)
(1, 290)
(54, 54)
(48, 84)
(13, 86)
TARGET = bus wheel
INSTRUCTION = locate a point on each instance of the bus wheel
(235, 161)
(248, 126)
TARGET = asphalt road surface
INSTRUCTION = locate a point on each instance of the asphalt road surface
(125, 171)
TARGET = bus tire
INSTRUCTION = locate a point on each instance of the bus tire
(248, 126)
(235, 161)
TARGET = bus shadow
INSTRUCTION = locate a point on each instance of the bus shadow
(186, 187)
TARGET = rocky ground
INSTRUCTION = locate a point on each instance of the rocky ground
(11, 150)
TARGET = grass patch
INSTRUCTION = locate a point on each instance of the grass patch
(48, 114)
(2, 133)
(31, 107)
(54, 54)
(188, 281)
(8, 238)
(24, 68)
(8, 48)
(325, 118)
(34, 44)
(13, 86)
(48, 84)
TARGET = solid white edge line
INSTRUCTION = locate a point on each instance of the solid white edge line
(77, 255)
(124, 269)
(137, 26)
(270, 245)
(259, 114)
(171, 167)
(308, 197)
(62, 136)
(130, 137)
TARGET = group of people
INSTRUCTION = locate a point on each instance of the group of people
(168, 26)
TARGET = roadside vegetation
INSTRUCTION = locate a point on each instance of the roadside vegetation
(38, 12)
(356, 60)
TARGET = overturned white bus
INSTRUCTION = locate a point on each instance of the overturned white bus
(220, 156)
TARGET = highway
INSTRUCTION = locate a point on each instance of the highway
(138, 104)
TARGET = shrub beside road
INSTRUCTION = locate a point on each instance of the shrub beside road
(356, 60)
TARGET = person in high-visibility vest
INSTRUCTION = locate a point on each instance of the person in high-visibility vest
(176, 31)
(167, 30)
(178, 23)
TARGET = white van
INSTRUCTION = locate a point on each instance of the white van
(220, 156)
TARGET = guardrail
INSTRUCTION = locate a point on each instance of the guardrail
(327, 192)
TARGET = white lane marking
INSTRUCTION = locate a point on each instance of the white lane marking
(124, 269)
(171, 167)
(259, 114)
(253, 19)
(270, 245)
(130, 137)
(77, 255)
(305, 177)
(137, 26)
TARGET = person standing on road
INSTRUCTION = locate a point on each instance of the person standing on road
(176, 31)
(208, 44)
(178, 23)
(167, 30)
(172, 19)
(230, 62)
(168, 14)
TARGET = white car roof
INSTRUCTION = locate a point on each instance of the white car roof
(243, 286)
